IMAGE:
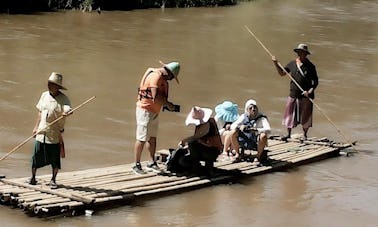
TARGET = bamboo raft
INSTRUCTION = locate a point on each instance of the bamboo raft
(86, 191)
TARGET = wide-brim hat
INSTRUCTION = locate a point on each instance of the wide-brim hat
(227, 111)
(198, 116)
(172, 67)
(302, 47)
(57, 78)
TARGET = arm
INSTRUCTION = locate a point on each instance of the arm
(237, 123)
(200, 131)
(279, 68)
(264, 126)
(314, 82)
(160, 95)
(161, 98)
(61, 145)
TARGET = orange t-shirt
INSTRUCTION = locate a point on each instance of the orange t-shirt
(152, 78)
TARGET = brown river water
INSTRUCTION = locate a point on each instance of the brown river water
(106, 54)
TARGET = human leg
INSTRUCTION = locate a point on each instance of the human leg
(151, 134)
(52, 157)
(235, 143)
(146, 129)
(200, 152)
(151, 146)
(52, 183)
(289, 118)
(195, 150)
(262, 154)
(305, 130)
(209, 155)
(138, 148)
(33, 180)
(142, 119)
(306, 108)
(38, 160)
(54, 174)
(152, 129)
(227, 146)
(288, 135)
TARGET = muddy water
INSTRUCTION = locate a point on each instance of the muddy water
(105, 55)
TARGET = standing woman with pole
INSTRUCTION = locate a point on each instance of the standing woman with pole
(309, 92)
(49, 145)
(299, 107)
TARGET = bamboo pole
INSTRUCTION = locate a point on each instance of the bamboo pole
(296, 83)
(50, 124)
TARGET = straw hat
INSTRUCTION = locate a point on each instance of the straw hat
(302, 47)
(227, 111)
(198, 116)
(57, 78)
(172, 67)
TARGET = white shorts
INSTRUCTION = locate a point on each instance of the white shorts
(147, 124)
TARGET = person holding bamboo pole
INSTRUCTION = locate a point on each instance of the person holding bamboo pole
(299, 107)
(49, 145)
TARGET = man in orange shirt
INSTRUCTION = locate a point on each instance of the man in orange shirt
(152, 96)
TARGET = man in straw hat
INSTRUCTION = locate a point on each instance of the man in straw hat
(49, 144)
(152, 96)
(205, 144)
(299, 108)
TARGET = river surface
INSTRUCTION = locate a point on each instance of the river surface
(106, 54)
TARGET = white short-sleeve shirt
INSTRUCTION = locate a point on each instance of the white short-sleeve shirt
(51, 108)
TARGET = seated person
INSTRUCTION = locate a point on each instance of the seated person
(225, 114)
(205, 144)
(251, 131)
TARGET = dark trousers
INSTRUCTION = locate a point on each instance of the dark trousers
(200, 152)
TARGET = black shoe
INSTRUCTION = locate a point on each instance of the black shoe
(285, 138)
(153, 167)
(32, 181)
(52, 184)
(138, 169)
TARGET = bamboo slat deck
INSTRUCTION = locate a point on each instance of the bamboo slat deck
(96, 189)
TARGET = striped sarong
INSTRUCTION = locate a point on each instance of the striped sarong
(298, 111)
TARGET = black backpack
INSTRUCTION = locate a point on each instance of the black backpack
(175, 160)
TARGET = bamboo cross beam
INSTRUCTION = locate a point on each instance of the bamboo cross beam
(51, 123)
(71, 196)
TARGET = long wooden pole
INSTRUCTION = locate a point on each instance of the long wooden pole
(53, 122)
(296, 83)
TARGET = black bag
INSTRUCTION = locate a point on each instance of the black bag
(176, 159)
